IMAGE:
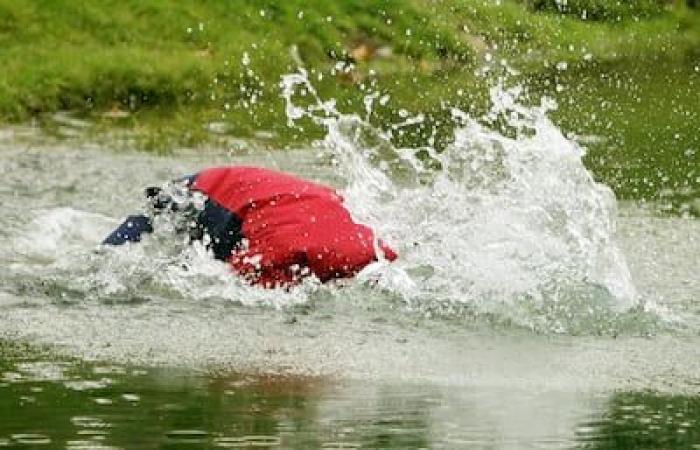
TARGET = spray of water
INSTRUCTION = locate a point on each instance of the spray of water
(510, 228)
(507, 228)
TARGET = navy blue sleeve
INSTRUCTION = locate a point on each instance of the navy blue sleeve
(135, 225)
(130, 230)
(222, 226)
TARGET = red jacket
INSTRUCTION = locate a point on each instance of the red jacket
(293, 227)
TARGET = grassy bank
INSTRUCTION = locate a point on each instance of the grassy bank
(130, 58)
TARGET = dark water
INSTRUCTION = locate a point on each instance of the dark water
(644, 116)
(62, 403)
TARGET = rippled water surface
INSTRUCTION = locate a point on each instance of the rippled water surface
(528, 309)
(54, 402)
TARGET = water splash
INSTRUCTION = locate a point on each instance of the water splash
(505, 225)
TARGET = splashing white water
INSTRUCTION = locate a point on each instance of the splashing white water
(513, 227)
(505, 227)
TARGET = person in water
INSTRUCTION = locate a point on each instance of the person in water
(273, 228)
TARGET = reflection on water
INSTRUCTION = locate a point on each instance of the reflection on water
(644, 421)
(76, 405)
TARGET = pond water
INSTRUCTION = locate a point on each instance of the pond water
(528, 309)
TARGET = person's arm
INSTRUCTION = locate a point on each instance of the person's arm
(130, 230)
(221, 227)
(134, 226)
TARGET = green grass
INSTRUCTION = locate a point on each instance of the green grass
(168, 56)
(103, 54)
